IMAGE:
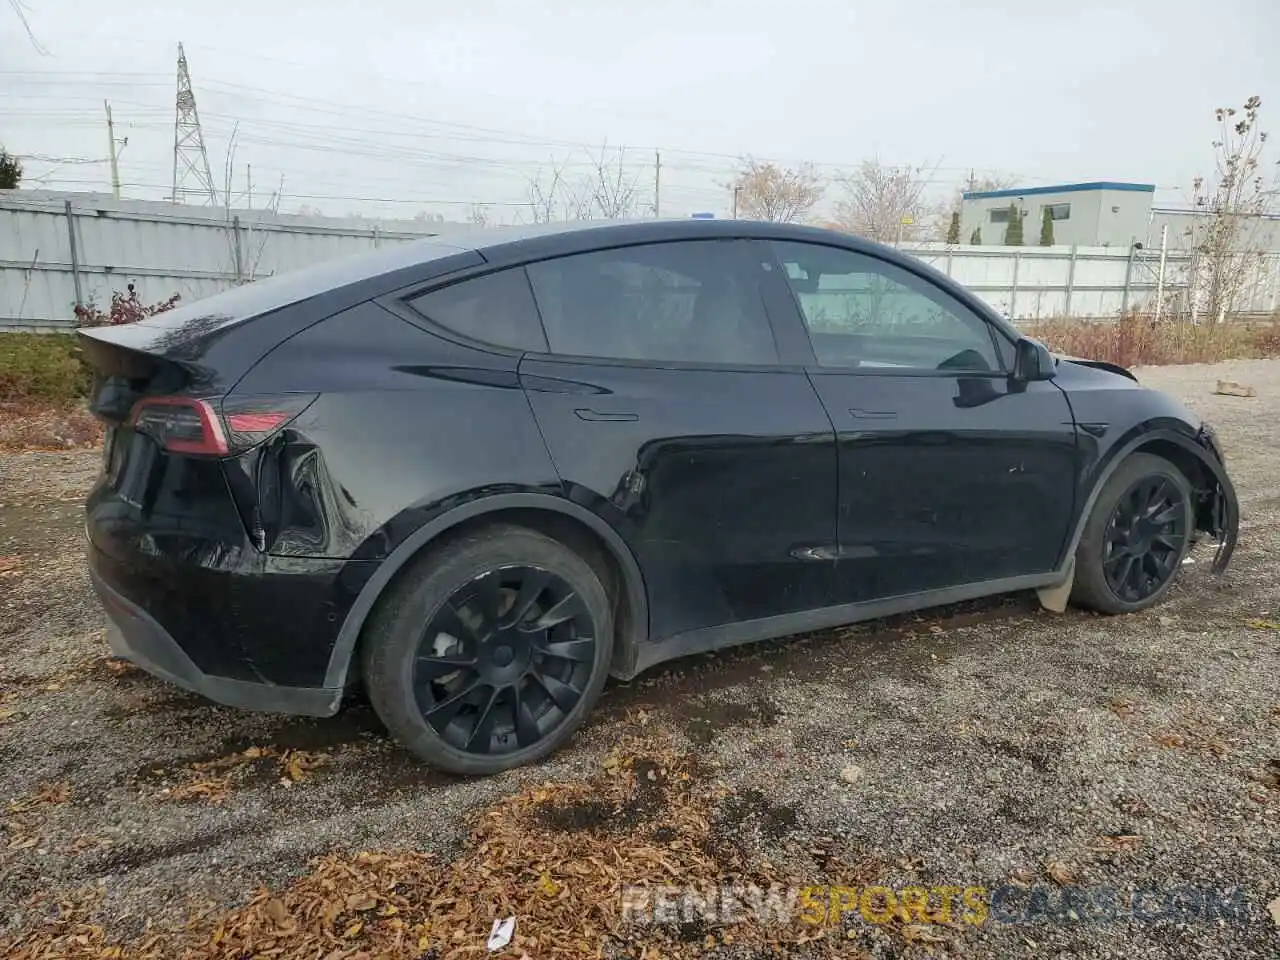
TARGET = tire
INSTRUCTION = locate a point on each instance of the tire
(465, 680)
(1110, 549)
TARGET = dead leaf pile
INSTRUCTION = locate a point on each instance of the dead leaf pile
(555, 856)
(211, 781)
(1195, 732)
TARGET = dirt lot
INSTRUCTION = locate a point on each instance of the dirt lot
(988, 745)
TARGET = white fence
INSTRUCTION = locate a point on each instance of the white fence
(59, 249)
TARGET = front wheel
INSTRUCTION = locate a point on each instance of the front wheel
(489, 653)
(1136, 537)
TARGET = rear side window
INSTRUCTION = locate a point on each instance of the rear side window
(497, 309)
(694, 301)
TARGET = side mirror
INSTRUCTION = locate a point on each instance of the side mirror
(1032, 361)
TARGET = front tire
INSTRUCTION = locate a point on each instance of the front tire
(488, 653)
(1136, 538)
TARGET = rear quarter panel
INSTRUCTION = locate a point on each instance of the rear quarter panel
(407, 426)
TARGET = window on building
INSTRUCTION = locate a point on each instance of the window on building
(695, 301)
(496, 309)
(1000, 215)
(1058, 211)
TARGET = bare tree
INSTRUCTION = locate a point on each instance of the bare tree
(884, 203)
(479, 215)
(1226, 239)
(765, 191)
(610, 189)
(20, 9)
(545, 193)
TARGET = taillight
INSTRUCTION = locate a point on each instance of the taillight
(180, 424)
(189, 425)
(252, 419)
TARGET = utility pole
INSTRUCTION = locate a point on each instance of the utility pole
(736, 188)
(115, 157)
(657, 183)
(248, 185)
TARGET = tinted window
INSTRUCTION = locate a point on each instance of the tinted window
(696, 301)
(496, 308)
(864, 312)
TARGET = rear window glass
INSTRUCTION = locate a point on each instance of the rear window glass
(497, 309)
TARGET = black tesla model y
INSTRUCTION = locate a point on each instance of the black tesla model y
(479, 474)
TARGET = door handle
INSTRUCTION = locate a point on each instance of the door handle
(860, 414)
(585, 413)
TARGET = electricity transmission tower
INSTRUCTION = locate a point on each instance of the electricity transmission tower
(191, 174)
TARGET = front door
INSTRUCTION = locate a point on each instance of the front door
(951, 473)
(666, 411)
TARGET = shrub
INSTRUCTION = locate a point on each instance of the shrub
(125, 308)
(1135, 340)
(1046, 228)
(1013, 229)
(44, 367)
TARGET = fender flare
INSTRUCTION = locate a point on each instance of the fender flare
(633, 581)
(1229, 505)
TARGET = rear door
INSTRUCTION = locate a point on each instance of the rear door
(951, 473)
(667, 411)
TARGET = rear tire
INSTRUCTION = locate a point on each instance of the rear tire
(489, 652)
(1135, 539)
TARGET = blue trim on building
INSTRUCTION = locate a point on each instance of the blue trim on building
(1061, 188)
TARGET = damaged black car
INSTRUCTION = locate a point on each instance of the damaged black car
(479, 474)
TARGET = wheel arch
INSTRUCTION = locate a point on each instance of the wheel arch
(1197, 463)
(560, 519)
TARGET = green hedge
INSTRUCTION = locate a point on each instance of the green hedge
(42, 366)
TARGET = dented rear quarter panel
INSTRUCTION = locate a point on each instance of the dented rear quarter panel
(390, 443)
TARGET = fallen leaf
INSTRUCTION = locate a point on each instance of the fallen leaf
(1273, 908)
(851, 773)
(1061, 874)
(1022, 876)
(10, 565)
(353, 930)
(360, 902)
(547, 885)
(277, 912)
(1262, 625)
(54, 792)
(1122, 706)
(921, 933)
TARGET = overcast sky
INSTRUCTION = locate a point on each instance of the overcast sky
(394, 108)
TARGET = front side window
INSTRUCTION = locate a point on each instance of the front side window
(495, 309)
(694, 301)
(866, 313)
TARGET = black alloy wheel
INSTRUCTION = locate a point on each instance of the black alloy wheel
(1145, 538)
(1136, 537)
(490, 650)
(505, 660)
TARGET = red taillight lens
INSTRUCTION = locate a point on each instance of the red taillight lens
(252, 419)
(188, 425)
(180, 424)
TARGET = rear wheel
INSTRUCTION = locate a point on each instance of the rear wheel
(490, 652)
(1136, 537)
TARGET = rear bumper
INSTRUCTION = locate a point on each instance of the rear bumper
(137, 637)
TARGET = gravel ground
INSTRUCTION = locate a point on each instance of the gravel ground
(987, 744)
